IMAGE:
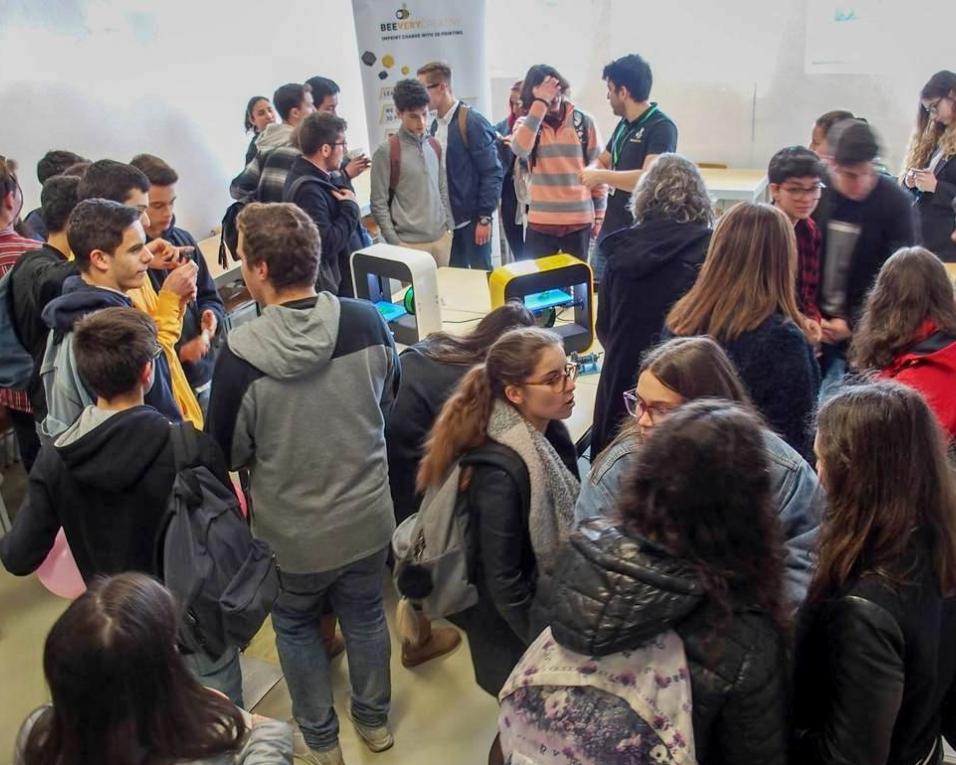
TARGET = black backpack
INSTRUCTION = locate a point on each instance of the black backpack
(224, 580)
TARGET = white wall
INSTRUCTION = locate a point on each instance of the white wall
(172, 77)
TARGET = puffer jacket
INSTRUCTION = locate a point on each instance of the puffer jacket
(613, 592)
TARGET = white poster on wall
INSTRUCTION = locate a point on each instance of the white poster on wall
(395, 39)
(848, 37)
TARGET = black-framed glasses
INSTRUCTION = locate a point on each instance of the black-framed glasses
(637, 407)
(558, 381)
(804, 191)
(341, 143)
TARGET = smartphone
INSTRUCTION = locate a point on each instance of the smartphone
(355, 153)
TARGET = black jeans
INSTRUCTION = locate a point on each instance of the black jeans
(514, 232)
(539, 245)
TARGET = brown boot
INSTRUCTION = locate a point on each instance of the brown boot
(333, 642)
(431, 643)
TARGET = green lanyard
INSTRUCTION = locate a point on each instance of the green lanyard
(621, 137)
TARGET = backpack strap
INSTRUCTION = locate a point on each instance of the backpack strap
(436, 147)
(394, 164)
(581, 128)
(185, 445)
(297, 184)
(507, 459)
(463, 110)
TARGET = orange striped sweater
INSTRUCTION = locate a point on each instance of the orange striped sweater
(557, 197)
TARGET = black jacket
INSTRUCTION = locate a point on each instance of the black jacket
(613, 592)
(426, 385)
(936, 215)
(339, 223)
(108, 490)
(649, 267)
(207, 299)
(506, 575)
(876, 672)
(36, 279)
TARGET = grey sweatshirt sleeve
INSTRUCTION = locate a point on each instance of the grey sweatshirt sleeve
(268, 743)
(378, 196)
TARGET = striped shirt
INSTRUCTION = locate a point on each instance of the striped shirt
(12, 246)
(557, 196)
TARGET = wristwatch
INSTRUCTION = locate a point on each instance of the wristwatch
(484, 220)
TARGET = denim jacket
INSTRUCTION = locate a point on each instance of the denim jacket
(799, 499)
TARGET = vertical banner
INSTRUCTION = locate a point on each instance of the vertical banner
(395, 39)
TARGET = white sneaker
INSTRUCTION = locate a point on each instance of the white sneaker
(328, 757)
(378, 739)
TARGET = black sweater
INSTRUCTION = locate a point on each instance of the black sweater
(936, 215)
(108, 490)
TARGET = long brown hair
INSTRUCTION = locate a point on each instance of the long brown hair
(912, 286)
(701, 489)
(472, 348)
(748, 275)
(930, 135)
(462, 423)
(119, 686)
(890, 488)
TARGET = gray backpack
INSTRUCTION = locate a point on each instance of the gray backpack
(224, 580)
(435, 548)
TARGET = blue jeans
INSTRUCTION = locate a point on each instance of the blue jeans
(222, 674)
(465, 253)
(355, 592)
(834, 367)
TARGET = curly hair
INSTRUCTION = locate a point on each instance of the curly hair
(930, 135)
(672, 188)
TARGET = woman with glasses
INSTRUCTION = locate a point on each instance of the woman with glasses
(745, 299)
(929, 171)
(649, 266)
(673, 374)
(514, 402)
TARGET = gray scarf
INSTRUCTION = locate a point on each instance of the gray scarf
(554, 489)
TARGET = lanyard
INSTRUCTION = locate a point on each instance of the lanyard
(621, 137)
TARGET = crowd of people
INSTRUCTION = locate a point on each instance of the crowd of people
(757, 566)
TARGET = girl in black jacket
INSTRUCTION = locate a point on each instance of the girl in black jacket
(930, 167)
(697, 552)
(515, 400)
(876, 659)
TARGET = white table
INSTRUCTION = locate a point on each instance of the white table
(735, 184)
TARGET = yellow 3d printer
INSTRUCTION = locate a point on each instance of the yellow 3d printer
(557, 289)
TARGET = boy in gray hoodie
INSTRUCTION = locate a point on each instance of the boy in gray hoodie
(300, 399)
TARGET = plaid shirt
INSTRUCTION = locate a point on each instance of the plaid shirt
(808, 267)
(264, 177)
(12, 246)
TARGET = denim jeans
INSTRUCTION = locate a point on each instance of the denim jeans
(834, 367)
(466, 254)
(222, 674)
(355, 592)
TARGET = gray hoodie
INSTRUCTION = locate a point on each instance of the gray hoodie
(275, 135)
(302, 395)
(419, 210)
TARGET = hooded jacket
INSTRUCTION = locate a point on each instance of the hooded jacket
(649, 268)
(302, 394)
(613, 592)
(107, 482)
(66, 393)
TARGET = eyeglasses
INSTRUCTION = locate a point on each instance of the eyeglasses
(637, 407)
(802, 191)
(558, 382)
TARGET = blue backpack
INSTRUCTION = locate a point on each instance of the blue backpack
(16, 363)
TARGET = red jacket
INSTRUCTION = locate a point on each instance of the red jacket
(929, 366)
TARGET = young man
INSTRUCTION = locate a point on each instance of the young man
(795, 178)
(54, 162)
(265, 176)
(643, 133)
(119, 182)
(557, 141)
(109, 244)
(473, 172)
(37, 278)
(325, 94)
(314, 185)
(12, 248)
(107, 479)
(864, 217)
(204, 314)
(314, 363)
(412, 210)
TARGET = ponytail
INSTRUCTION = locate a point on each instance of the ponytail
(462, 425)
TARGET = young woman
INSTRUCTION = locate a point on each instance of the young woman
(122, 696)
(430, 371)
(259, 113)
(908, 330)
(672, 375)
(821, 128)
(516, 400)
(649, 267)
(745, 299)
(514, 230)
(695, 551)
(929, 170)
(875, 659)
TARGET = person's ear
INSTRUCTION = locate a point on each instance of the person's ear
(327, 150)
(514, 394)
(100, 260)
(146, 374)
(774, 189)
